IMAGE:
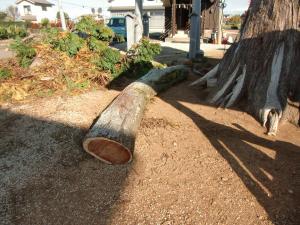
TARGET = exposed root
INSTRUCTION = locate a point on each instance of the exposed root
(232, 96)
(223, 101)
(211, 74)
(237, 89)
(273, 118)
(272, 110)
(224, 89)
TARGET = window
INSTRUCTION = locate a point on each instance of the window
(44, 8)
(117, 22)
(27, 9)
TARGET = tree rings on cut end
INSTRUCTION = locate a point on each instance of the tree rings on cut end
(108, 151)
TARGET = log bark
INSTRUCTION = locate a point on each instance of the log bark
(112, 137)
(262, 68)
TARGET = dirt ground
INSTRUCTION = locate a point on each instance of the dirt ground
(193, 164)
(5, 53)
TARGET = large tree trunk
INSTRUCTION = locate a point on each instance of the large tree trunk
(112, 137)
(263, 67)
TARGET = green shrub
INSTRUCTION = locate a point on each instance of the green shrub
(50, 35)
(144, 51)
(119, 38)
(86, 25)
(96, 45)
(45, 23)
(4, 73)
(25, 52)
(109, 60)
(15, 31)
(140, 57)
(70, 44)
(19, 32)
(90, 26)
(105, 33)
(12, 31)
(3, 33)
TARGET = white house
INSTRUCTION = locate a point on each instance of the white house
(120, 8)
(36, 10)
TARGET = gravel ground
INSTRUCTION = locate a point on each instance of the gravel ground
(193, 164)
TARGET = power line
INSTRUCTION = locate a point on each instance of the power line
(78, 5)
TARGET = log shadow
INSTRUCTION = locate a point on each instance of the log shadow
(47, 178)
(274, 182)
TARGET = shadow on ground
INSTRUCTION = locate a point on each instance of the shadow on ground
(274, 182)
(47, 178)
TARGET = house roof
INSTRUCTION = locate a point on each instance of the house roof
(41, 2)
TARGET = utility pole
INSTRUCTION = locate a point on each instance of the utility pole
(220, 22)
(195, 30)
(62, 16)
(222, 4)
(138, 34)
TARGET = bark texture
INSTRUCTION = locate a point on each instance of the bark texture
(263, 67)
(112, 137)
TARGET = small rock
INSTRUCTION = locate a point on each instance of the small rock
(46, 78)
(261, 218)
(175, 144)
(36, 62)
(224, 178)
(291, 191)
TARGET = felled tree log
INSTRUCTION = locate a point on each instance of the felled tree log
(112, 137)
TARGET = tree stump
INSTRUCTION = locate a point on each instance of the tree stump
(262, 68)
(112, 137)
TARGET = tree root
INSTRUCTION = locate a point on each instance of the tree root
(211, 74)
(269, 111)
(219, 95)
(272, 111)
(237, 89)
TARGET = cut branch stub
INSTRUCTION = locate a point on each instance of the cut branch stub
(112, 137)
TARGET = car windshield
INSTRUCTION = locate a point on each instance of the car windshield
(117, 22)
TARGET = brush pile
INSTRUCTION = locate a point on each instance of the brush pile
(65, 63)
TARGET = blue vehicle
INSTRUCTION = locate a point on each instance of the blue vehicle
(118, 25)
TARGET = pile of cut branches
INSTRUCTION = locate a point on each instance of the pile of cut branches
(68, 62)
(54, 73)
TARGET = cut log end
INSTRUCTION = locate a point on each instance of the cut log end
(108, 151)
